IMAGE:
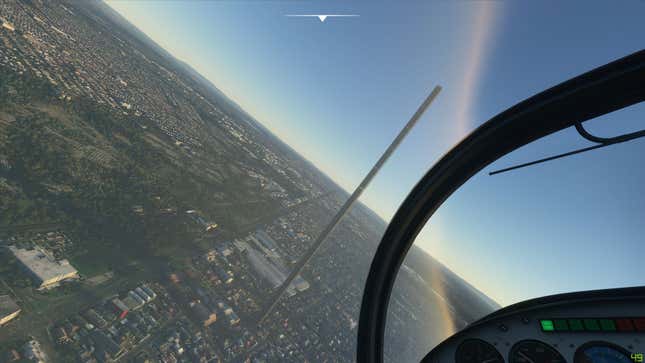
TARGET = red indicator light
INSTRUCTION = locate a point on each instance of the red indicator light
(639, 324)
(624, 325)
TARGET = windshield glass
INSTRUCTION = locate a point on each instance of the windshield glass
(166, 166)
(570, 224)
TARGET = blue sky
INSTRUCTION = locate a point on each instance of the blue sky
(339, 91)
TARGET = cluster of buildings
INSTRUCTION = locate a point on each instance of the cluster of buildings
(112, 328)
(318, 324)
(181, 344)
(203, 314)
(316, 321)
(267, 261)
(134, 300)
(310, 323)
(31, 351)
(83, 58)
(295, 230)
(207, 313)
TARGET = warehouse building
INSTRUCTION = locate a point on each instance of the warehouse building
(46, 270)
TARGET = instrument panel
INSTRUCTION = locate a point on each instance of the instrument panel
(603, 326)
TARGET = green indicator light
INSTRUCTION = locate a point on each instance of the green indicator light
(560, 324)
(607, 325)
(592, 324)
(576, 325)
(547, 325)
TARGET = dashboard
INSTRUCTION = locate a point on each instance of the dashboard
(601, 326)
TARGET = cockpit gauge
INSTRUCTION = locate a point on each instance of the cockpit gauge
(534, 351)
(477, 351)
(602, 352)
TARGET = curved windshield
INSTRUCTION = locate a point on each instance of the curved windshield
(179, 181)
(565, 225)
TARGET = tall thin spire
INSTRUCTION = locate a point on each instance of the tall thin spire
(348, 204)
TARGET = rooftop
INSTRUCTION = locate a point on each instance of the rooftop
(42, 264)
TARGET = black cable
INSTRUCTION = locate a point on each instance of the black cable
(601, 142)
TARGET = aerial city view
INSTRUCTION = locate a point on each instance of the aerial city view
(146, 217)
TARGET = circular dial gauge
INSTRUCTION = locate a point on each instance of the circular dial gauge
(477, 351)
(601, 352)
(533, 351)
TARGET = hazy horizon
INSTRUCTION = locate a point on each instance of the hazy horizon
(317, 85)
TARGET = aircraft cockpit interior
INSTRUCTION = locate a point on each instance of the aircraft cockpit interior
(322, 181)
(606, 325)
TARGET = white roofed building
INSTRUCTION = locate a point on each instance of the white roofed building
(45, 269)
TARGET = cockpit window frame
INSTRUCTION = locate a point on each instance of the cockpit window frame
(608, 88)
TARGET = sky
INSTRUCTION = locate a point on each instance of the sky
(339, 91)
